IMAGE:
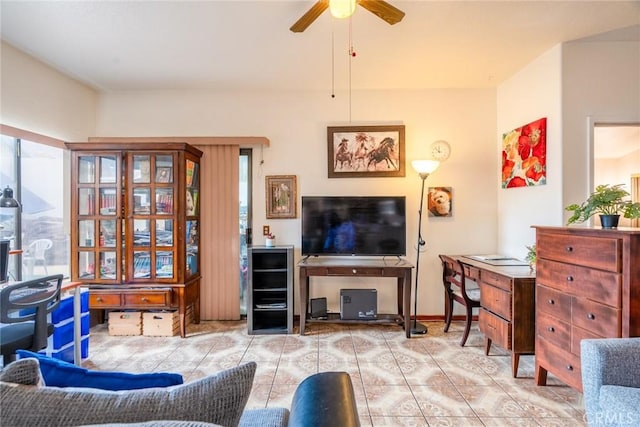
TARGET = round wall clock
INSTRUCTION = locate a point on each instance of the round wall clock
(440, 150)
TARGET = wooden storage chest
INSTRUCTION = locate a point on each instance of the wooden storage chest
(587, 286)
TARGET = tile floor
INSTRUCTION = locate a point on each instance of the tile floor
(423, 381)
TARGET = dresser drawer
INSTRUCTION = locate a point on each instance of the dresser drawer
(497, 280)
(495, 328)
(602, 286)
(355, 271)
(553, 302)
(598, 318)
(102, 299)
(561, 363)
(148, 298)
(495, 300)
(579, 334)
(602, 253)
(553, 329)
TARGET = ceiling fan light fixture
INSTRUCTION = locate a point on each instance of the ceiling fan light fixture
(342, 8)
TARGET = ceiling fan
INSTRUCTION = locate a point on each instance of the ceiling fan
(380, 8)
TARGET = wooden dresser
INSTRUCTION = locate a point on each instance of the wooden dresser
(587, 286)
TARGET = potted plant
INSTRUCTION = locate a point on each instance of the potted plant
(531, 257)
(609, 201)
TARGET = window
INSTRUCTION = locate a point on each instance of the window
(36, 172)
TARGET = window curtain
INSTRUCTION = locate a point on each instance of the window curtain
(220, 234)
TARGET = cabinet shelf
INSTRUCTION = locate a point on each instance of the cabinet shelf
(270, 290)
(382, 319)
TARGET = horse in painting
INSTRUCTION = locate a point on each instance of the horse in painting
(343, 155)
(382, 153)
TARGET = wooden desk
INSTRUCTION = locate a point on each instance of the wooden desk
(327, 266)
(507, 315)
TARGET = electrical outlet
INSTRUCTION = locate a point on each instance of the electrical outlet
(265, 230)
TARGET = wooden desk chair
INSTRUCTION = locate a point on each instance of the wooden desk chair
(455, 289)
(24, 307)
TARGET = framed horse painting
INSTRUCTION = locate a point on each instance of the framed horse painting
(365, 151)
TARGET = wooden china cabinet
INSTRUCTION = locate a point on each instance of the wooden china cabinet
(134, 231)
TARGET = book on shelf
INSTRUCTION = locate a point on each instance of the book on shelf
(190, 167)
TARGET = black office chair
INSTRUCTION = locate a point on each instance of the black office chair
(455, 289)
(24, 307)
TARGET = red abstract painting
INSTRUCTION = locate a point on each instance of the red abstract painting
(524, 155)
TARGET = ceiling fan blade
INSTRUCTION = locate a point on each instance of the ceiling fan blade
(311, 15)
(383, 10)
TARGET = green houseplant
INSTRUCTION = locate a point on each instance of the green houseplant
(609, 201)
(531, 257)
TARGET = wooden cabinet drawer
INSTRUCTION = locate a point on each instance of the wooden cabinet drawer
(497, 280)
(472, 273)
(495, 300)
(602, 253)
(602, 286)
(553, 302)
(148, 298)
(354, 271)
(495, 328)
(562, 363)
(598, 318)
(105, 299)
(553, 329)
(579, 334)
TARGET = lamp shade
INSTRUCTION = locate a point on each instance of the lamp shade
(7, 200)
(425, 166)
(342, 8)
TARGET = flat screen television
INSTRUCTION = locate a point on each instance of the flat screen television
(361, 225)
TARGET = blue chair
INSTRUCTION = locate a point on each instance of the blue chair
(611, 381)
(24, 309)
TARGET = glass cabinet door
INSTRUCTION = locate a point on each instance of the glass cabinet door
(97, 207)
(152, 215)
(192, 211)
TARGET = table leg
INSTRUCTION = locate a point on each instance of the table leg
(77, 327)
(304, 299)
(406, 285)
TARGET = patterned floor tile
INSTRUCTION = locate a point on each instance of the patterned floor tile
(488, 401)
(391, 400)
(435, 401)
(427, 380)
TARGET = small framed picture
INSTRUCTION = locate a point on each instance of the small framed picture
(440, 201)
(281, 196)
(164, 174)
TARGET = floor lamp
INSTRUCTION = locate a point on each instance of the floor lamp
(424, 168)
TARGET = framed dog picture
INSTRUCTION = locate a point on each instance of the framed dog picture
(281, 196)
(440, 201)
(365, 151)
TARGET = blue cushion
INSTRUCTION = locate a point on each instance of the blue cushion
(58, 373)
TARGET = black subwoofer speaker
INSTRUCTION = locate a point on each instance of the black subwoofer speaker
(318, 308)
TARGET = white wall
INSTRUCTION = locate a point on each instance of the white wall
(296, 124)
(534, 92)
(601, 81)
(37, 98)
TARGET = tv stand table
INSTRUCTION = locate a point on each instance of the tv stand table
(382, 267)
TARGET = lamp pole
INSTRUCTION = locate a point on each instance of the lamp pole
(419, 328)
(424, 168)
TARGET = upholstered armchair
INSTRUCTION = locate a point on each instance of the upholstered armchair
(611, 381)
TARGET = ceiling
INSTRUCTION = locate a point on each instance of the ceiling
(247, 45)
